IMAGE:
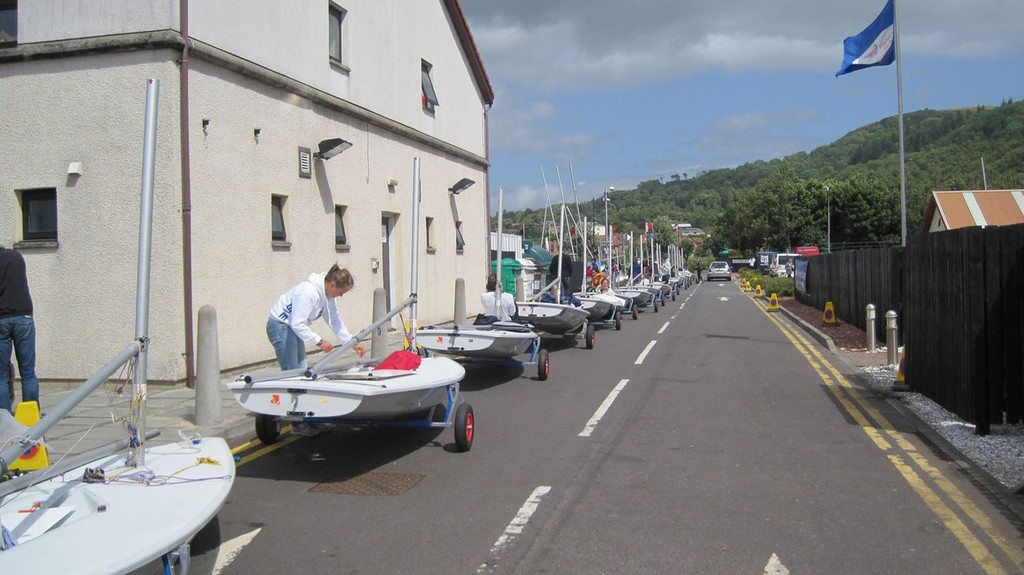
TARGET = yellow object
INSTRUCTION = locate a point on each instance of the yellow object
(900, 374)
(758, 292)
(773, 303)
(829, 317)
(746, 285)
(27, 413)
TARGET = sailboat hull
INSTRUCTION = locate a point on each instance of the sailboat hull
(553, 318)
(359, 392)
(478, 342)
(123, 523)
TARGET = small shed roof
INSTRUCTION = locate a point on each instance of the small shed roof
(950, 210)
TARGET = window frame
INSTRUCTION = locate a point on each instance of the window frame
(32, 201)
(427, 92)
(10, 6)
(431, 240)
(336, 16)
(339, 221)
(278, 218)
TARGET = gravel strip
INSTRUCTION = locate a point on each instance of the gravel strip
(1000, 454)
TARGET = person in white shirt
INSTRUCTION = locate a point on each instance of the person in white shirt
(288, 327)
(504, 312)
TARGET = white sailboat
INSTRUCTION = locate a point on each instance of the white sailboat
(364, 391)
(120, 507)
(498, 342)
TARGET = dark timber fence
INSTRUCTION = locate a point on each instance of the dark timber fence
(960, 299)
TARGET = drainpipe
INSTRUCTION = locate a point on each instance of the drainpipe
(186, 197)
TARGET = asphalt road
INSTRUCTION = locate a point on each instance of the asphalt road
(710, 437)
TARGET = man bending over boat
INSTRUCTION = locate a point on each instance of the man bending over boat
(288, 327)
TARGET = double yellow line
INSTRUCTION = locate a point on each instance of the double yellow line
(969, 524)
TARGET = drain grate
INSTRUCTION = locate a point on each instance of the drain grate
(372, 483)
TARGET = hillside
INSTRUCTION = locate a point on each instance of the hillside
(944, 151)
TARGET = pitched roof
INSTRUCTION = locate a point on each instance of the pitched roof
(476, 63)
(950, 210)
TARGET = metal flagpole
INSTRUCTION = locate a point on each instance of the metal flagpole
(899, 96)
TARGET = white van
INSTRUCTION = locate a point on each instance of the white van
(784, 264)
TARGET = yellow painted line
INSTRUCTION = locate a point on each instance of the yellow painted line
(842, 389)
(288, 440)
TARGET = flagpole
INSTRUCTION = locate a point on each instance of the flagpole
(899, 96)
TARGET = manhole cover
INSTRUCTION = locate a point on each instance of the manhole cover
(372, 483)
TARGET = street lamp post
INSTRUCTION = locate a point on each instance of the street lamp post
(828, 192)
(607, 230)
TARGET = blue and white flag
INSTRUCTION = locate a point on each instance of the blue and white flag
(875, 46)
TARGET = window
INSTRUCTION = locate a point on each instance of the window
(39, 214)
(340, 237)
(460, 242)
(431, 246)
(8, 23)
(429, 97)
(277, 231)
(336, 36)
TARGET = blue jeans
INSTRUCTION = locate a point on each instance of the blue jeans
(18, 334)
(291, 351)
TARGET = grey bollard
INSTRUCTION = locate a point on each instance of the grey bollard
(891, 338)
(379, 338)
(209, 410)
(871, 327)
(520, 294)
(460, 302)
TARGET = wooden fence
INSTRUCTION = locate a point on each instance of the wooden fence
(960, 299)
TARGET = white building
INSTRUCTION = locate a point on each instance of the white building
(243, 208)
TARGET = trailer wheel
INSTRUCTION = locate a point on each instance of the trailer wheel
(543, 365)
(655, 306)
(268, 427)
(589, 337)
(464, 427)
(636, 313)
(618, 323)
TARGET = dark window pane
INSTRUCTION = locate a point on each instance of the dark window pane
(339, 226)
(39, 213)
(277, 231)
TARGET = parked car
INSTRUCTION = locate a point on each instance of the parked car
(719, 271)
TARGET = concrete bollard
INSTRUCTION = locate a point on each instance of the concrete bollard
(460, 302)
(891, 338)
(379, 338)
(870, 327)
(209, 410)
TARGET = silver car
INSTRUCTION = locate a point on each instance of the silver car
(719, 271)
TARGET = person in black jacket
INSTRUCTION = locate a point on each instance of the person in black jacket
(17, 330)
(566, 290)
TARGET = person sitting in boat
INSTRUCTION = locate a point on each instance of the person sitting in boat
(288, 327)
(626, 303)
(506, 310)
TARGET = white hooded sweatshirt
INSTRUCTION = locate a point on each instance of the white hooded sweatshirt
(303, 304)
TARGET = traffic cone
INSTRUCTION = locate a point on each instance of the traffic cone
(27, 413)
(900, 374)
(758, 292)
(829, 317)
(773, 303)
(746, 285)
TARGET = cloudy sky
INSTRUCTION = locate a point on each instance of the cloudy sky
(622, 92)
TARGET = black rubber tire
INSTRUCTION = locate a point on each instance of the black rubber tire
(268, 428)
(543, 365)
(589, 336)
(465, 425)
(636, 313)
(655, 306)
(618, 323)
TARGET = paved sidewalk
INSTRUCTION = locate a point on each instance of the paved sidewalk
(96, 421)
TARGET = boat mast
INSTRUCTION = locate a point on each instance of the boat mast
(137, 421)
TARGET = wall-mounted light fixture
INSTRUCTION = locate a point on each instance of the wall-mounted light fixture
(206, 125)
(461, 185)
(75, 169)
(332, 147)
(392, 182)
(256, 134)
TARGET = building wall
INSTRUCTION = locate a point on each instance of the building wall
(90, 108)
